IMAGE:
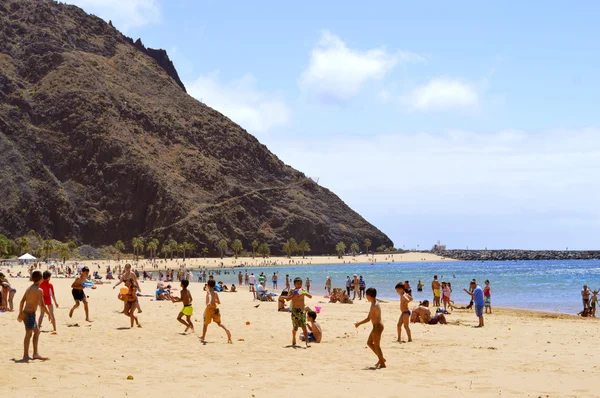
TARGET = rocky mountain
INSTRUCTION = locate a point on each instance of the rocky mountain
(99, 141)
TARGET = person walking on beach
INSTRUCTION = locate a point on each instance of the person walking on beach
(287, 282)
(32, 299)
(328, 285)
(252, 281)
(128, 274)
(374, 316)
(362, 285)
(307, 285)
(240, 278)
(297, 309)
(212, 312)
(49, 296)
(188, 309)
(356, 286)
(435, 287)
(78, 293)
(404, 320)
(487, 297)
(348, 284)
(246, 279)
(479, 301)
(585, 297)
(274, 280)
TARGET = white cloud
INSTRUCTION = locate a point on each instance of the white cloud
(511, 188)
(336, 73)
(442, 94)
(239, 100)
(125, 14)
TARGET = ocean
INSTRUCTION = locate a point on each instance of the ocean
(553, 286)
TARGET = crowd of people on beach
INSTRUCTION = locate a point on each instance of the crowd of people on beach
(40, 296)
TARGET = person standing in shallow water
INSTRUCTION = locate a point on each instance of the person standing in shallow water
(435, 287)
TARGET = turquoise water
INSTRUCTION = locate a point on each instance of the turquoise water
(553, 286)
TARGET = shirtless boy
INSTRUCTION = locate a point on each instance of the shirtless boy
(585, 297)
(297, 309)
(315, 333)
(78, 293)
(32, 298)
(212, 313)
(49, 297)
(405, 298)
(435, 287)
(187, 310)
(374, 316)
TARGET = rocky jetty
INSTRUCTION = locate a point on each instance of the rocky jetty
(99, 142)
(512, 255)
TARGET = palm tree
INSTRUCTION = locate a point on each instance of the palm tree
(152, 246)
(237, 247)
(368, 244)
(65, 251)
(180, 248)
(293, 245)
(165, 250)
(354, 248)
(204, 251)
(119, 246)
(172, 246)
(286, 249)
(48, 248)
(254, 245)
(303, 246)
(264, 250)
(222, 246)
(340, 248)
(6, 245)
(23, 245)
(187, 246)
(138, 246)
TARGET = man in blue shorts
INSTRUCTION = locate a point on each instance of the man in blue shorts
(479, 301)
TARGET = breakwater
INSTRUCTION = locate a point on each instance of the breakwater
(518, 255)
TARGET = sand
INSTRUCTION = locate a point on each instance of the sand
(518, 353)
(228, 262)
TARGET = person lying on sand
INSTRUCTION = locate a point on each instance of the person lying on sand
(423, 314)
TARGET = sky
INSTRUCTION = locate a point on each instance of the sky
(472, 123)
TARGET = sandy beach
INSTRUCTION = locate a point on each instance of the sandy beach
(518, 353)
(228, 262)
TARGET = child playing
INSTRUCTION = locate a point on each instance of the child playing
(315, 333)
(8, 293)
(593, 303)
(446, 292)
(187, 310)
(212, 313)
(49, 296)
(297, 309)
(32, 298)
(405, 298)
(375, 336)
(78, 294)
(487, 297)
(130, 300)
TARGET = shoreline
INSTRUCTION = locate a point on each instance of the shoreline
(163, 361)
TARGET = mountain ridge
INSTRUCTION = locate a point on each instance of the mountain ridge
(99, 142)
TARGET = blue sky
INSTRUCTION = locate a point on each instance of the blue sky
(469, 122)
